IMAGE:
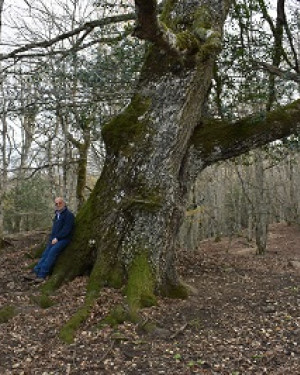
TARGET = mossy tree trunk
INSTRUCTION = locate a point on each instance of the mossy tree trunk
(126, 233)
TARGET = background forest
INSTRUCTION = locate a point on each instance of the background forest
(134, 110)
(56, 97)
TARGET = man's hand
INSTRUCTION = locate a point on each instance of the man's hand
(54, 241)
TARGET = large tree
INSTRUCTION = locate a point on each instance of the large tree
(126, 233)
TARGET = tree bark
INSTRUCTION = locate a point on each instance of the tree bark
(126, 233)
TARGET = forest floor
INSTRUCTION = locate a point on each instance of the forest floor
(243, 317)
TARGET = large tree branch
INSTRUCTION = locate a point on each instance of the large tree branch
(190, 36)
(279, 72)
(218, 140)
(86, 28)
(149, 28)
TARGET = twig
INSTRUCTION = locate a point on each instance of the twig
(180, 330)
(107, 351)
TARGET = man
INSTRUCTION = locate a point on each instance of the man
(60, 237)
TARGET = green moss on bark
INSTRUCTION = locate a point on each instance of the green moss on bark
(212, 46)
(140, 285)
(203, 18)
(115, 276)
(98, 278)
(127, 127)
(195, 33)
(216, 134)
(67, 333)
(106, 271)
(166, 13)
(139, 292)
(185, 40)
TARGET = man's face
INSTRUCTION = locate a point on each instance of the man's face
(59, 204)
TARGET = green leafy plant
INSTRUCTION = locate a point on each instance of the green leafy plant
(177, 357)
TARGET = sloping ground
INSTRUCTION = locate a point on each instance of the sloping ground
(242, 318)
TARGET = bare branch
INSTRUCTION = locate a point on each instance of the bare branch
(88, 26)
(77, 47)
(279, 72)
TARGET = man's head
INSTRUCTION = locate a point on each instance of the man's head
(59, 203)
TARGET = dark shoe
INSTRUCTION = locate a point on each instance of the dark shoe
(38, 280)
(30, 276)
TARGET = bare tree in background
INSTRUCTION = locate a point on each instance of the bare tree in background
(68, 107)
(3, 144)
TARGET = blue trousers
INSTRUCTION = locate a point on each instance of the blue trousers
(48, 259)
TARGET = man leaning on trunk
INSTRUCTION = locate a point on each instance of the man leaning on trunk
(60, 237)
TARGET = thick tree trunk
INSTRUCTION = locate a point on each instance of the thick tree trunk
(137, 206)
(126, 233)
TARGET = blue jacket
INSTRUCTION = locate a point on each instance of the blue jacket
(63, 225)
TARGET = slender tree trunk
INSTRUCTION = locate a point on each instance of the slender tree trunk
(249, 199)
(27, 131)
(292, 204)
(50, 169)
(189, 231)
(3, 174)
(261, 222)
(277, 51)
(81, 173)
